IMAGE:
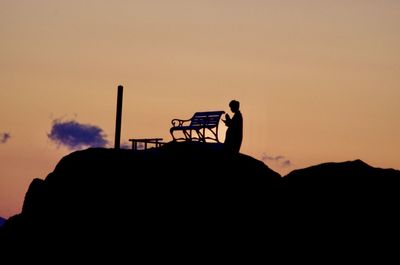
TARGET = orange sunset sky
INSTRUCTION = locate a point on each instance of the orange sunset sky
(318, 81)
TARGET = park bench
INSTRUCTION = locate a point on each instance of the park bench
(201, 127)
(145, 141)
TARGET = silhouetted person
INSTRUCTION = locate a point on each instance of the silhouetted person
(234, 133)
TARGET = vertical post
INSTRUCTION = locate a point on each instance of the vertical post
(117, 142)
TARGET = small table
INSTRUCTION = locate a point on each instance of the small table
(156, 141)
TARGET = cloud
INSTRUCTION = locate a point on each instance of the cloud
(286, 163)
(280, 160)
(4, 137)
(75, 135)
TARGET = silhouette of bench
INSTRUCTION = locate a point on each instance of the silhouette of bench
(145, 141)
(199, 127)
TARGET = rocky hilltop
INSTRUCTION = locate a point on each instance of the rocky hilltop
(181, 194)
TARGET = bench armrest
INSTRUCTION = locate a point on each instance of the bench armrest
(179, 122)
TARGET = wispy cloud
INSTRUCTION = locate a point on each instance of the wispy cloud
(75, 135)
(4, 137)
(279, 160)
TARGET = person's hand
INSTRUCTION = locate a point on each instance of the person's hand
(227, 119)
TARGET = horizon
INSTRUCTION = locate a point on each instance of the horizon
(317, 81)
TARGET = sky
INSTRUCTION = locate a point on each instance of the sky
(318, 81)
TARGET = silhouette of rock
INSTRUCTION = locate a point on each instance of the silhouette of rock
(348, 202)
(346, 178)
(180, 191)
(183, 197)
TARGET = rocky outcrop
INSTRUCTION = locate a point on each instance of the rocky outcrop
(185, 196)
(180, 189)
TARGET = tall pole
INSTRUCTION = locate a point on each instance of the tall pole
(117, 142)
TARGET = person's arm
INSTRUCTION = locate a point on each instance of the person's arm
(227, 120)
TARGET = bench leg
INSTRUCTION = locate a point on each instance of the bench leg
(172, 134)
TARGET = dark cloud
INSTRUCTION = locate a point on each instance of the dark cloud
(280, 160)
(75, 135)
(286, 163)
(4, 137)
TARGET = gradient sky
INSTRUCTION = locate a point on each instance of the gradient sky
(318, 81)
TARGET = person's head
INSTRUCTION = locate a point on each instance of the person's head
(234, 105)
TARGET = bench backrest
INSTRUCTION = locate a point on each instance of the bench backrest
(206, 119)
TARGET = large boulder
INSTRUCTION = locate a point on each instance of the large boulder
(183, 191)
